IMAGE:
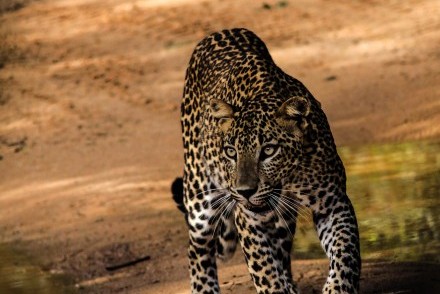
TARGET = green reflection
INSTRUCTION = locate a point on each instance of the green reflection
(19, 276)
(395, 190)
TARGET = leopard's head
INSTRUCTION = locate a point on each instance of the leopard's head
(261, 146)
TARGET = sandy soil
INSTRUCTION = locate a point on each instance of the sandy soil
(90, 134)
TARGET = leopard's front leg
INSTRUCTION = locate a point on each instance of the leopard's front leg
(268, 262)
(337, 228)
(202, 248)
(202, 263)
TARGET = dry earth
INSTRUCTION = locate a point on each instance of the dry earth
(89, 121)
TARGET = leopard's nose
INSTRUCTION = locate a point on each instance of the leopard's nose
(247, 193)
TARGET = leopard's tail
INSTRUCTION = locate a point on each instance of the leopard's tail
(177, 191)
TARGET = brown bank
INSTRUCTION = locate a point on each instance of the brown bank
(90, 135)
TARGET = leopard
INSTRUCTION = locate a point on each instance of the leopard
(258, 149)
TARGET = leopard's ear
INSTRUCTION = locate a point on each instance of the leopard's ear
(292, 115)
(222, 112)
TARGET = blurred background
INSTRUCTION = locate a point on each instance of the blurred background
(90, 137)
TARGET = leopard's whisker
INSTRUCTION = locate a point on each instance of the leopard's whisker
(219, 205)
(300, 210)
(231, 209)
(216, 218)
(295, 204)
(297, 191)
(292, 213)
(227, 214)
(224, 209)
(217, 202)
(292, 205)
(288, 211)
(276, 209)
(299, 213)
(210, 191)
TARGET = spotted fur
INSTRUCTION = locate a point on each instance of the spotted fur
(257, 148)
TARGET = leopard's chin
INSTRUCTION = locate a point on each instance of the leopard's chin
(260, 209)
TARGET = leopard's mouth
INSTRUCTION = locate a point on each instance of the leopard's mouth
(260, 209)
(266, 202)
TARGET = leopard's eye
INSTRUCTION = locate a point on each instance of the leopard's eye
(268, 151)
(230, 152)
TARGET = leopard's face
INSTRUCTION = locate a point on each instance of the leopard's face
(260, 150)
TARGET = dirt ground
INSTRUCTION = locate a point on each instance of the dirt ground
(90, 135)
